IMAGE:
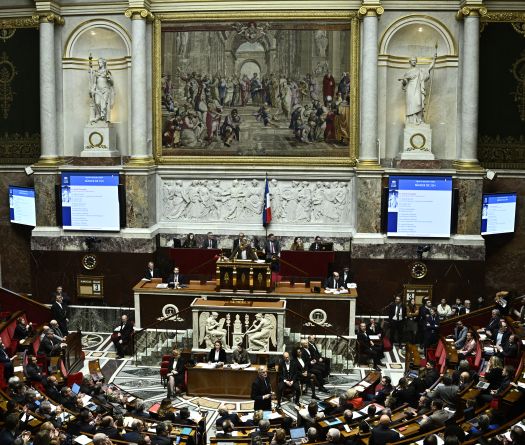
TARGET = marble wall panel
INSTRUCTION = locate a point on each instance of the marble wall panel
(469, 205)
(140, 200)
(368, 204)
(46, 209)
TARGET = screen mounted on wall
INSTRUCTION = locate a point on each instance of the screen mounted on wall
(22, 208)
(90, 201)
(419, 206)
(498, 213)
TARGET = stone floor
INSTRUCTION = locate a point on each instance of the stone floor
(144, 381)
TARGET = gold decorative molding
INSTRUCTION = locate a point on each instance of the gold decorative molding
(471, 11)
(502, 152)
(139, 14)
(504, 16)
(351, 16)
(471, 165)
(20, 22)
(371, 10)
(7, 74)
(140, 162)
(51, 18)
(368, 164)
(49, 161)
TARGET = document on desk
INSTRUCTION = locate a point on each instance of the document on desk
(82, 440)
(207, 365)
(246, 417)
(162, 286)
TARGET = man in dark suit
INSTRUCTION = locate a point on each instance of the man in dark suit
(49, 345)
(59, 311)
(288, 378)
(151, 271)
(510, 349)
(373, 328)
(176, 279)
(467, 309)
(224, 414)
(161, 438)
(460, 334)
(317, 245)
(237, 241)
(367, 346)
(243, 252)
(262, 434)
(51, 388)
(382, 434)
(210, 242)
(9, 433)
(176, 371)
(272, 248)
(53, 325)
(493, 325)
(314, 366)
(59, 291)
(502, 336)
(347, 277)
(431, 329)
(396, 316)
(316, 355)
(122, 335)
(6, 361)
(334, 282)
(33, 371)
(261, 392)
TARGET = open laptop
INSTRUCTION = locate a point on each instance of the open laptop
(75, 389)
(297, 434)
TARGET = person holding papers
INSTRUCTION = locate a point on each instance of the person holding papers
(217, 353)
(122, 335)
(334, 282)
(243, 252)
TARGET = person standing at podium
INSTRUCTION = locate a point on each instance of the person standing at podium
(261, 393)
(237, 241)
(210, 242)
(244, 252)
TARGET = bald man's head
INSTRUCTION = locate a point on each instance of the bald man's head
(384, 420)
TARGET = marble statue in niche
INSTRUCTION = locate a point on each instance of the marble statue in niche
(261, 332)
(240, 200)
(101, 91)
(413, 84)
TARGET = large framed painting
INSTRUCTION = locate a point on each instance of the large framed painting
(262, 88)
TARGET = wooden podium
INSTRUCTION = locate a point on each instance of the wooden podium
(243, 275)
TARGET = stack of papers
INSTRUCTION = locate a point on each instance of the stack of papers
(246, 417)
(162, 286)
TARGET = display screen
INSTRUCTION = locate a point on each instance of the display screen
(498, 213)
(22, 208)
(419, 206)
(90, 201)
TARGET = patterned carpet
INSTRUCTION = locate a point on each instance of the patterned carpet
(144, 381)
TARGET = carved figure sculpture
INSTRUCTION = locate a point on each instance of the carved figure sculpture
(413, 83)
(101, 91)
(261, 331)
(211, 329)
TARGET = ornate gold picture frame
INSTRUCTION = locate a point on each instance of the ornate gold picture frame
(257, 88)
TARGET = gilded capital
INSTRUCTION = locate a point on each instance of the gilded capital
(139, 14)
(50, 18)
(471, 11)
(20, 22)
(371, 10)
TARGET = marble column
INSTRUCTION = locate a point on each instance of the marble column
(48, 94)
(468, 154)
(140, 153)
(368, 153)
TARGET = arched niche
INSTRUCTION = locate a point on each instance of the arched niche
(101, 38)
(417, 35)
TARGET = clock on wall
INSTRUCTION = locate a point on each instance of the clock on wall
(418, 270)
(89, 261)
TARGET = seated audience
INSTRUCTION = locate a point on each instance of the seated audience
(460, 334)
(49, 345)
(6, 361)
(33, 371)
(492, 326)
(443, 309)
(382, 434)
(447, 393)
(22, 329)
(469, 347)
(436, 419)
(367, 346)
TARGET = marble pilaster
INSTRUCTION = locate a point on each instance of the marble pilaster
(45, 182)
(48, 94)
(368, 203)
(140, 153)
(368, 153)
(468, 156)
(140, 192)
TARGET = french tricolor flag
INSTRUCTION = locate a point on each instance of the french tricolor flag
(267, 210)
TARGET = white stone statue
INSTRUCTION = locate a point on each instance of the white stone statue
(101, 91)
(211, 329)
(261, 331)
(413, 82)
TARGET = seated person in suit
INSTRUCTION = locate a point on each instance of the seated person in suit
(288, 378)
(23, 329)
(240, 355)
(373, 328)
(217, 354)
(493, 325)
(151, 271)
(224, 414)
(382, 434)
(334, 282)
(33, 371)
(49, 345)
(6, 361)
(209, 242)
(297, 244)
(367, 346)
(175, 279)
(437, 419)
(176, 370)
(244, 252)
(317, 245)
(189, 241)
(510, 349)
